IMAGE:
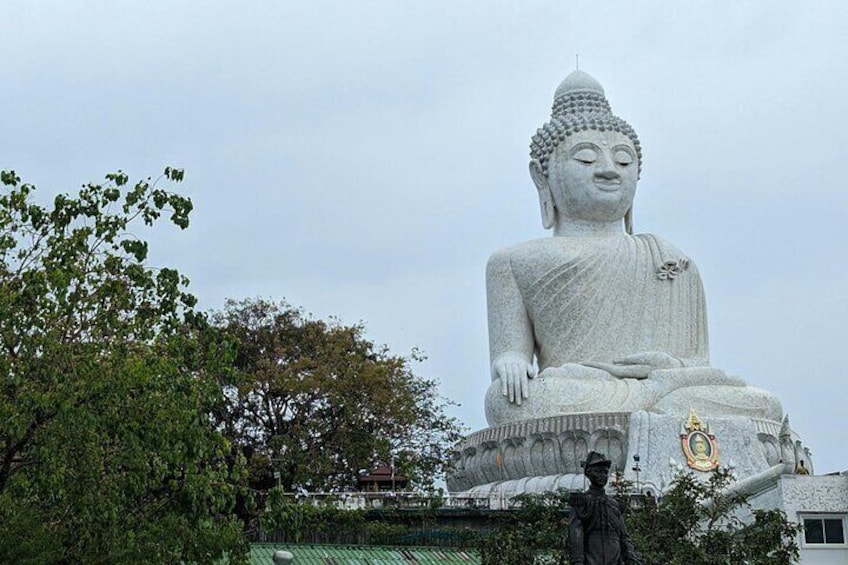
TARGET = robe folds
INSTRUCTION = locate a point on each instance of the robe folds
(625, 295)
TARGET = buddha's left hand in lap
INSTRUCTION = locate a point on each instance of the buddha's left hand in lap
(638, 365)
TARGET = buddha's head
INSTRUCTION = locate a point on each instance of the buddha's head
(585, 161)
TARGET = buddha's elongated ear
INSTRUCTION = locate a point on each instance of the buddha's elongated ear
(546, 199)
(628, 221)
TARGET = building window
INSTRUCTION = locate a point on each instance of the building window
(823, 529)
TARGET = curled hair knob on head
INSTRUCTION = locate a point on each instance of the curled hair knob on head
(579, 104)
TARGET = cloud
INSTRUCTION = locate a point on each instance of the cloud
(363, 159)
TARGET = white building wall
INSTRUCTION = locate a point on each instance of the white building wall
(801, 495)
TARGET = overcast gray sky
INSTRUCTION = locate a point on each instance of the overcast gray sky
(363, 159)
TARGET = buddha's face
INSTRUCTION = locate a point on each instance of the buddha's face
(592, 176)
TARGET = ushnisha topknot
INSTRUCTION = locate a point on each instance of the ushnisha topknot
(579, 104)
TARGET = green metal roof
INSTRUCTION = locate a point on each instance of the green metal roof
(263, 553)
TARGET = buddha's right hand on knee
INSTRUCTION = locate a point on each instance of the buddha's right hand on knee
(513, 371)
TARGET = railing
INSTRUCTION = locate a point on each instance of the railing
(413, 500)
(375, 500)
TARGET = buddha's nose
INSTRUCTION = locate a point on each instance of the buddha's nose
(607, 173)
(604, 168)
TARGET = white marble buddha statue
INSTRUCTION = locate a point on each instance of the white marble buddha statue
(610, 321)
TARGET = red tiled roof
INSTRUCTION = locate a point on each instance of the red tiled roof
(381, 473)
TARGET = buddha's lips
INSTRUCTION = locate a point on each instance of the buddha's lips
(608, 185)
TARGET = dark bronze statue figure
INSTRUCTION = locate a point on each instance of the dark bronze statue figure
(597, 532)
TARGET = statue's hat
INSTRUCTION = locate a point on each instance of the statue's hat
(595, 459)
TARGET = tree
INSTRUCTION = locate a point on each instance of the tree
(316, 402)
(695, 523)
(535, 530)
(293, 519)
(711, 526)
(106, 452)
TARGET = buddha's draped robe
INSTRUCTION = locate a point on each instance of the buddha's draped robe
(614, 300)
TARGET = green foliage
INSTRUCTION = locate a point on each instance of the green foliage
(106, 452)
(386, 533)
(316, 402)
(296, 519)
(711, 526)
(285, 515)
(695, 523)
(534, 531)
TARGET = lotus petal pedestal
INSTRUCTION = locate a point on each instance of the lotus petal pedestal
(545, 454)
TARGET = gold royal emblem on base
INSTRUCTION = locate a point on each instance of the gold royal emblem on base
(699, 444)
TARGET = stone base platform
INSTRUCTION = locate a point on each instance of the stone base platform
(545, 454)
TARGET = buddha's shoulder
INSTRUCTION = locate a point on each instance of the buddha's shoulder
(657, 240)
(665, 247)
(559, 249)
(532, 250)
